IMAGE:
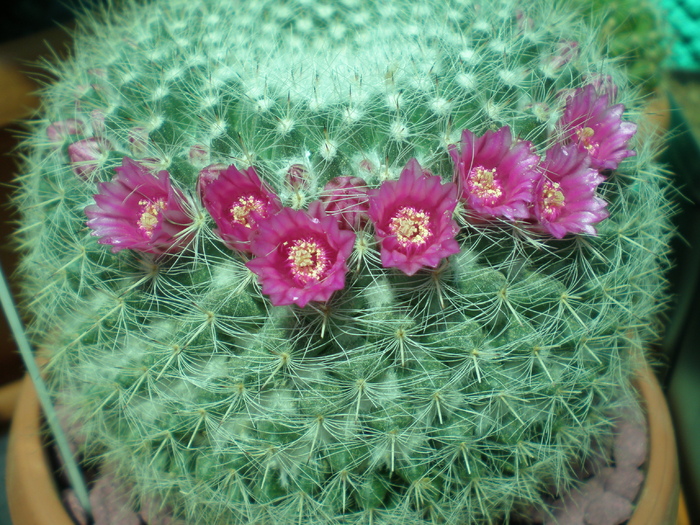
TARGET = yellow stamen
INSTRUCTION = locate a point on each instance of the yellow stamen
(150, 215)
(584, 135)
(483, 184)
(240, 211)
(552, 199)
(411, 226)
(308, 260)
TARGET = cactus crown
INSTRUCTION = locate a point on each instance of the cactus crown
(413, 307)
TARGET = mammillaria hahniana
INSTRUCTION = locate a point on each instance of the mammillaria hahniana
(341, 262)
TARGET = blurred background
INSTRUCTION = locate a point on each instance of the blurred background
(659, 42)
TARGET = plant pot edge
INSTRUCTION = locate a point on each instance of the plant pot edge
(33, 498)
(660, 495)
(32, 494)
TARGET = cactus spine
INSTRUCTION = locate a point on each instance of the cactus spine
(457, 394)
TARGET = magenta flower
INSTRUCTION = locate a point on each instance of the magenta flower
(85, 155)
(567, 50)
(565, 197)
(301, 256)
(602, 84)
(139, 210)
(596, 127)
(367, 165)
(495, 176)
(297, 176)
(208, 175)
(199, 155)
(346, 199)
(413, 219)
(237, 201)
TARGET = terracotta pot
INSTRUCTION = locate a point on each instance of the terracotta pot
(657, 115)
(8, 399)
(34, 500)
(31, 489)
(659, 499)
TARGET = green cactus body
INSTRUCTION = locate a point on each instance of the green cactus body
(637, 33)
(457, 394)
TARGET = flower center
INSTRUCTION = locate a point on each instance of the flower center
(584, 136)
(150, 215)
(411, 226)
(552, 200)
(241, 210)
(308, 260)
(482, 183)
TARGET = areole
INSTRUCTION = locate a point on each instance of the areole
(33, 498)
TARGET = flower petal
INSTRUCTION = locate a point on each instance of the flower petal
(300, 256)
(139, 210)
(413, 219)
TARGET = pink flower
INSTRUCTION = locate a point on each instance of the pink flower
(346, 199)
(596, 127)
(567, 50)
(413, 219)
(139, 210)
(495, 176)
(565, 197)
(602, 84)
(301, 256)
(297, 176)
(86, 154)
(367, 165)
(208, 175)
(199, 155)
(59, 130)
(238, 201)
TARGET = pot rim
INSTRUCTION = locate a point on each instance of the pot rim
(30, 477)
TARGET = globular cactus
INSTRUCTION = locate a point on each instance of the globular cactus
(341, 262)
(635, 32)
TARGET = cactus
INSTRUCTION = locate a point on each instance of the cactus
(637, 33)
(341, 262)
